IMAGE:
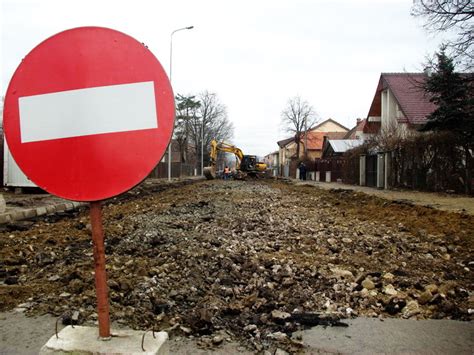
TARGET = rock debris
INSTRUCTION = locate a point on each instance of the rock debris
(253, 261)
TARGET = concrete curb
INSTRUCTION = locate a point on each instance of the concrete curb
(28, 213)
(18, 214)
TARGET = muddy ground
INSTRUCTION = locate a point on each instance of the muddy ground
(248, 261)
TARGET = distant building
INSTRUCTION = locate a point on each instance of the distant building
(363, 130)
(313, 138)
(311, 143)
(272, 161)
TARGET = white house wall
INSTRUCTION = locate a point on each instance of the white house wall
(391, 113)
(286, 152)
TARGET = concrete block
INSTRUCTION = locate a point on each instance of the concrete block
(85, 340)
(60, 207)
(69, 206)
(41, 211)
(5, 218)
(328, 176)
(17, 215)
(3, 204)
(50, 209)
(30, 213)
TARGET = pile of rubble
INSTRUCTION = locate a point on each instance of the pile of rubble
(253, 261)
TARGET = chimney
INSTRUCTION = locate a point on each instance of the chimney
(358, 121)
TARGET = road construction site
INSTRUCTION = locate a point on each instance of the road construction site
(245, 262)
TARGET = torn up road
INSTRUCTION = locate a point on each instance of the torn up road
(249, 261)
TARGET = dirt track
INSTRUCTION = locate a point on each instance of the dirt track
(248, 260)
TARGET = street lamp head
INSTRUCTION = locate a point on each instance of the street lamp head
(190, 27)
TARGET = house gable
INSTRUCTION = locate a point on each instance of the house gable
(400, 97)
(329, 125)
(314, 140)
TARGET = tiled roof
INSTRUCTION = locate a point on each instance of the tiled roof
(365, 127)
(284, 142)
(408, 91)
(357, 128)
(371, 127)
(316, 139)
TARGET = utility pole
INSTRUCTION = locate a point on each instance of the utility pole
(171, 67)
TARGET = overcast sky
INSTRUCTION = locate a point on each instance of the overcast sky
(254, 54)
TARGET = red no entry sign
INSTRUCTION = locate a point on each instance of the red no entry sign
(88, 113)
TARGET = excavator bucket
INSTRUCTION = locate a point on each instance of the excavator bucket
(209, 173)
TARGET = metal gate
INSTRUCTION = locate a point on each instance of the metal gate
(371, 170)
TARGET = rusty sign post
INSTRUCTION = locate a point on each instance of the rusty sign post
(101, 287)
(77, 99)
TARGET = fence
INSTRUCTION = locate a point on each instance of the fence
(177, 170)
(430, 162)
(433, 162)
(330, 169)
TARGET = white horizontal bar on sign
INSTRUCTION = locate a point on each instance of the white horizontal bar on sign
(83, 112)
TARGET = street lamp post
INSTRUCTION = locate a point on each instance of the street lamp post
(171, 66)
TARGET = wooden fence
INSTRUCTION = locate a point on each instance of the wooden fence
(334, 166)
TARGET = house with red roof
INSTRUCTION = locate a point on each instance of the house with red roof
(400, 103)
(363, 130)
(313, 140)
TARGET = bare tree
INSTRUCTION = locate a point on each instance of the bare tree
(209, 122)
(445, 15)
(297, 117)
(214, 117)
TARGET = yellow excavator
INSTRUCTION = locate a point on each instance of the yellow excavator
(247, 165)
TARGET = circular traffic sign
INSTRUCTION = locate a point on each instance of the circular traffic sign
(88, 113)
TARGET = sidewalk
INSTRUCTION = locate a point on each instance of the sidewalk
(451, 203)
(26, 335)
(27, 206)
(30, 205)
(393, 336)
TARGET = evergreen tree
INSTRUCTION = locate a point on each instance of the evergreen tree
(452, 94)
(186, 111)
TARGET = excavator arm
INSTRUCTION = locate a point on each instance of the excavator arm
(247, 164)
(216, 147)
(224, 147)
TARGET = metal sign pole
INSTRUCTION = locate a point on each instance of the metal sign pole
(101, 287)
